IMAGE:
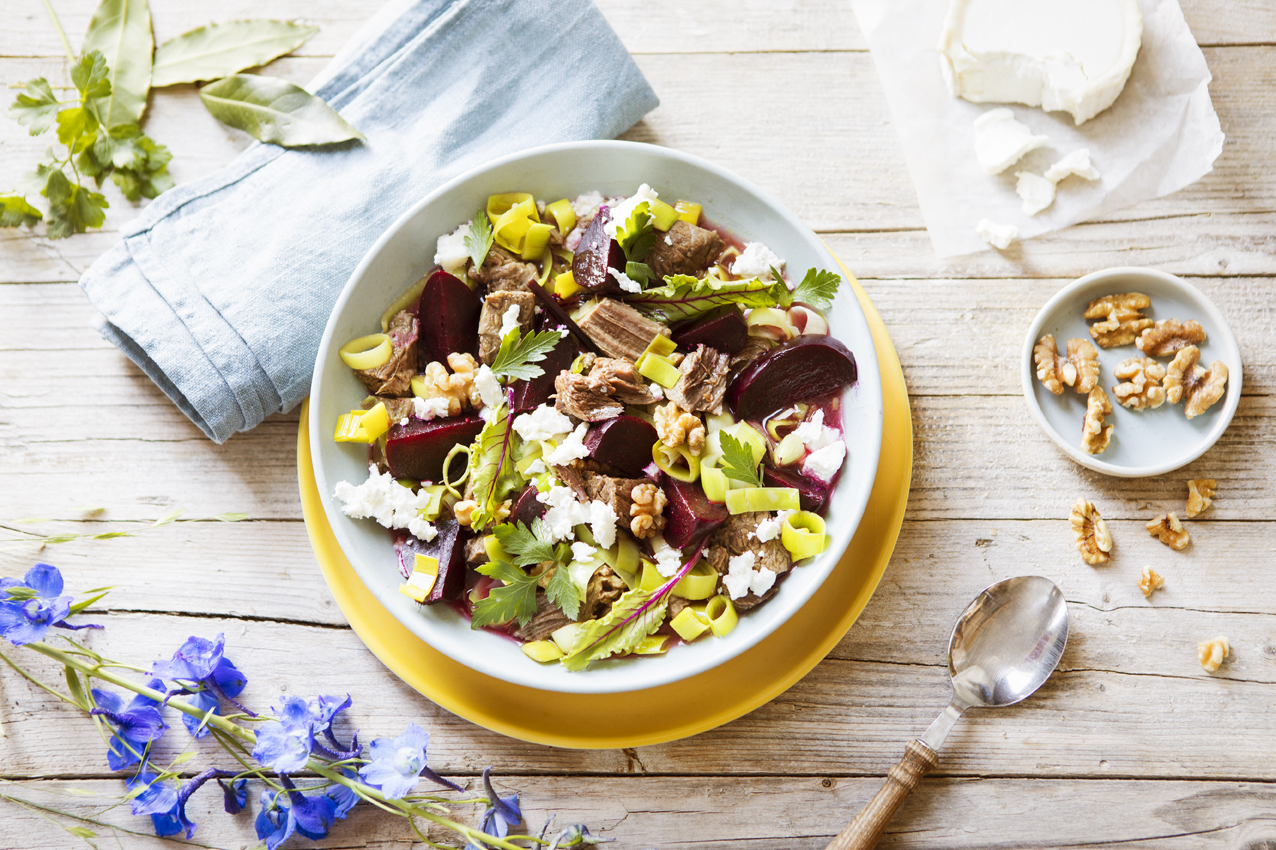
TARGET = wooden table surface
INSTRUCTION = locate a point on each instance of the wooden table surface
(1130, 744)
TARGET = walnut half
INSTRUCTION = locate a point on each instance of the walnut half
(1212, 652)
(1200, 495)
(1122, 320)
(1094, 542)
(1079, 369)
(1199, 388)
(1140, 385)
(1095, 436)
(1169, 531)
(1150, 580)
(1167, 337)
(648, 501)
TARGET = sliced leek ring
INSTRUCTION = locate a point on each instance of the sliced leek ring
(671, 460)
(563, 214)
(714, 481)
(409, 298)
(700, 583)
(721, 615)
(362, 426)
(689, 624)
(751, 499)
(803, 535)
(367, 352)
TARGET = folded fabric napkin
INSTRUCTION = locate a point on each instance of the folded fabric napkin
(221, 289)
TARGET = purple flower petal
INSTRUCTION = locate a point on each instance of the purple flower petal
(45, 580)
(282, 749)
(202, 701)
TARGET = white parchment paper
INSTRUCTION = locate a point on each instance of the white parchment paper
(1160, 135)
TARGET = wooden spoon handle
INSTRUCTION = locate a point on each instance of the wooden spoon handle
(863, 832)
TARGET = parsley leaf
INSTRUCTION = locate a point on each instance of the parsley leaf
(638, 235)
(72, 209)
(90, 76)
(563, 591)
(640, 272)
(15, 210)
(38, 108)
(632, 617)
(518, 352)
(737, 459)
(525, 546)
(516, 599)
(479, 240)
(817, 288)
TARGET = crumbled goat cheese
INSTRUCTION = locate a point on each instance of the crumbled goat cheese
(997, 235)
(814, 434)
(582, 551)
(587, 204)
(451, 253)
(489, 387)
(429, 408)
(602, 523)
(563, 513)
(626, 282)
(656, 390)
(741, 577)
(403, 421)
(1037, 192)
(824, 463)
(769, 528)
(509, 321)
(388, 502)
(1077, 162)
(543, 423)
(620, 212)
(668, 559)
(572, 448)
(756, 260)
(1001, 141)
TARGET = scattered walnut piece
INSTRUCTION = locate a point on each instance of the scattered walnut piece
(1212, 652)
(1095, 436)
(1094, 542)
(1186, 381)
(648, 502)
(1140, 385)
(1079, 369)
(1165, 338)
(676, 426)
(1169, 531)
(1200, 495)
(464, 511)
(1150, 580)
(1122, 320)
(458, 388)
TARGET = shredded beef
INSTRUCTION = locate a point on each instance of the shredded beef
(705, 373)
(549, 619)
(476, 551)
(394, 377)
(502, 272)
(685, 249)
(613, 492)
(623, 378)
(493, 316)
(737, 536)
(604, 588)
(587, 398)
(619, 330)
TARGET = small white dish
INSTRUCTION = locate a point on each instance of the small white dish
(1146, 442)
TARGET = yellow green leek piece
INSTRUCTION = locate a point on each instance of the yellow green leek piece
(653, 645)
(498, 205)
(660, 345)
(677, 462)
(543, 651)
(536, 241)
(803, 535)
(749, 499)
(431, 511)
(715, 483)
(718, 421)
(566, 636)
(751, 437)
(771, 323)
(662, 215)
(578, 365)
(547, 267)
(450, 485)
(495, 551)
(660, 370)
(407, 482)
(786, 419)
(363, 426)
(700, 583)
(721, 615)
(419, 584)
(427, 564)
(789, 450)
(367, 352)
(565, 285)
(563, 214)
(650, 578)
(511, 228)
(408, 299)
(688, 212)
(627, 557)
(689, 625)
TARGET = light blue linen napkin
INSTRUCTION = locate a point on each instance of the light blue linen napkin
(221, 289)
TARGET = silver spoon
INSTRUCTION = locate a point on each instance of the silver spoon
(1004, 646)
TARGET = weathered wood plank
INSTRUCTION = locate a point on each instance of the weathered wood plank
(770, 814)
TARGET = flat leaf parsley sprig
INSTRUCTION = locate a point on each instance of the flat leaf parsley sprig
(310, 777)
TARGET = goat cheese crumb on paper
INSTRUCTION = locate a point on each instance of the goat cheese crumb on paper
(1001, 141)
(1037, 192)
(1077, 162)
(385, 500)
(999, 236)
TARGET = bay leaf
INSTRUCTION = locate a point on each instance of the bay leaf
(275, 111)
(121, 29)
(219, 50)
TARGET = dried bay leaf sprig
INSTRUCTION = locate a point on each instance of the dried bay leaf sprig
(275, 111)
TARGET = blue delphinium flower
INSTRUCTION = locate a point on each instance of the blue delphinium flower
(284, 745)
(133, 727)
(200, 670)
(236, 795)
(398, 763)
(165, 804)
(311, 815)
(502, 813)
(343, 798)
(323, 713)
(28, 608)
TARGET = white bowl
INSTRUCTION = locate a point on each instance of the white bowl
(1146, 442)
(405, 253)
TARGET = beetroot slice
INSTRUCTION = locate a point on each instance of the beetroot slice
(723, 329)
(448, 313)
(596, 253)
(798, 370)
(527, 509)
(689, 515)
(417, 450)
(449, 549)
(534, 393)
(624, 442)
(812, 494)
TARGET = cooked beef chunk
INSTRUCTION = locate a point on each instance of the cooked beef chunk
(394, 377)
(705, 373)
(614, 492)
(752, 350)
(620, 330)
(623, 379)
(493, 316)
(549, 618)
(397, 408)
(502, 272)
(573, 479)
(737, 536)
(676, 604)
(685, 249)
(476, 551)
(586, 398)
(604, 588)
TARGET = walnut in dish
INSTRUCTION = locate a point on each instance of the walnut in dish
(1140, 386)
(1198, 388)
(1096, 436)
(1170, 336)
(1079, 369)
(1122, 318)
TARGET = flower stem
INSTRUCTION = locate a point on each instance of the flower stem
(33, 680)
(57, 25)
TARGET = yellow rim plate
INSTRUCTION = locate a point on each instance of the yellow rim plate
(669, 712)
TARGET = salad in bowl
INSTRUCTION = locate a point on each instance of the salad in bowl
(601, 426)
